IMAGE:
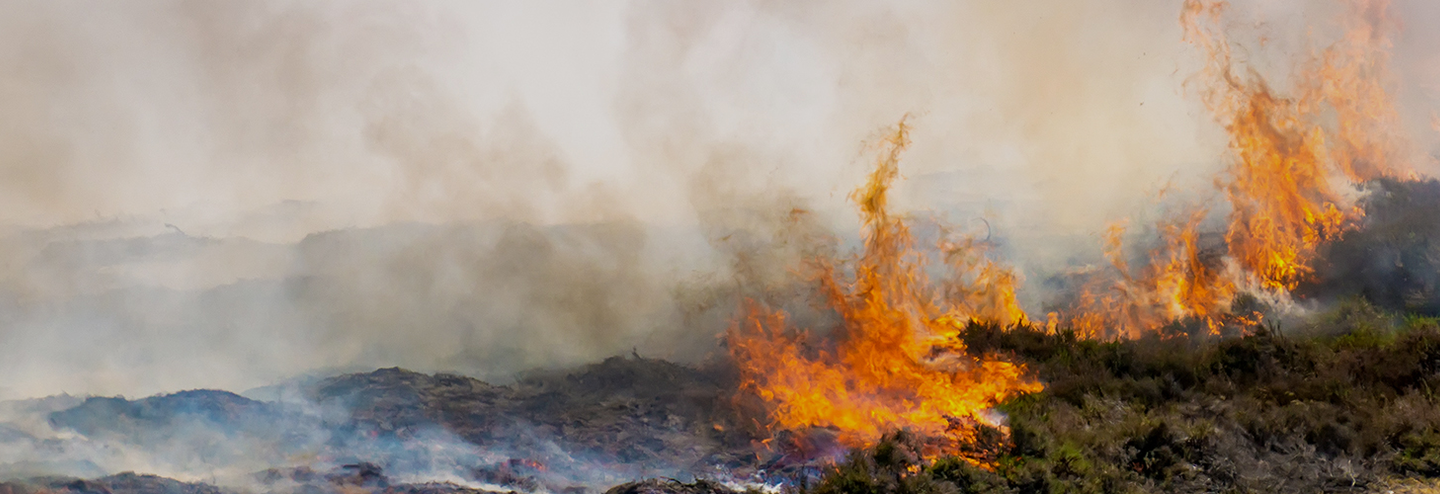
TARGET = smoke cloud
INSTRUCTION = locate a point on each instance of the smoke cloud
(226, 194)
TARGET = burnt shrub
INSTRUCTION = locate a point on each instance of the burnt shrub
(1393, 258)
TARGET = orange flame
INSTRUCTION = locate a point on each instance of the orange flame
(1293, 158)
(1178, 284)
(1353, 79)
(895, 361)
(1284, 186)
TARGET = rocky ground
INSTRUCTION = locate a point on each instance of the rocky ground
(582, 430)
(1344, 404)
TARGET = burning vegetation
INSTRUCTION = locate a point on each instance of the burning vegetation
(893, 360)
(899, 359)
(1279, 338)
(1297, 162)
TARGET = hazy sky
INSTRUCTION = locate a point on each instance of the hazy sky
(437, 111)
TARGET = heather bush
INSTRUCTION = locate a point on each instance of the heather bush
(1342, 403)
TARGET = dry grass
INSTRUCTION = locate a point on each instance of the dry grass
(1407, 486)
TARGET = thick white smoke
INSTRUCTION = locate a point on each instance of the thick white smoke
(223, 194)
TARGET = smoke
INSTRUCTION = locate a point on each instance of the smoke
(224, 194)
(224, 439)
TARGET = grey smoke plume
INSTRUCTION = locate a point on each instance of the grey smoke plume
(223, 194)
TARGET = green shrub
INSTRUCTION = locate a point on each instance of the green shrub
(1333, 404)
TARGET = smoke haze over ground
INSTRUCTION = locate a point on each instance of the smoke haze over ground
(226, 194)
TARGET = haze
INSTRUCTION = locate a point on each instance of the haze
(226, 194)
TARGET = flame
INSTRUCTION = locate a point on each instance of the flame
(1295, 155)
(1178, 284)
(1353, 79)
(895, 360)
(1293, 159)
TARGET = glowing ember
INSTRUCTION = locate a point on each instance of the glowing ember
(894, 361)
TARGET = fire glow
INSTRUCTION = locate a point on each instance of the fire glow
(1292, 158)
(895, 361)
(898, 362)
